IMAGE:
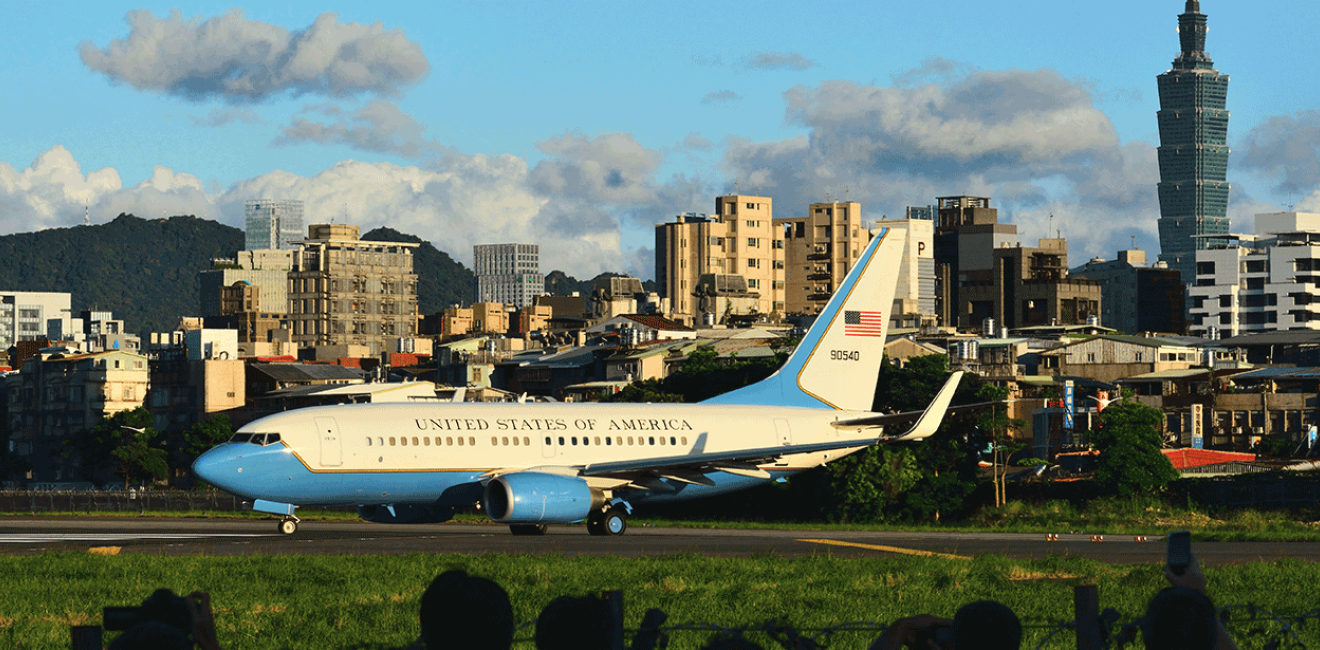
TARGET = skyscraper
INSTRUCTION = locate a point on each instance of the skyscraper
(508, 273)
(273, 225)
(1193, 152)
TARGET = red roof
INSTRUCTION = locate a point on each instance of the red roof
(1185, 458)
(658, 322)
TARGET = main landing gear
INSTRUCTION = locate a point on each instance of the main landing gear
(610, 521)
(289, 525)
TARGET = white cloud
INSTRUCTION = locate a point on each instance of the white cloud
(219, 117)
(242, 60)
(721, 97)
(611, 169)
(51, 192)
(379, 126)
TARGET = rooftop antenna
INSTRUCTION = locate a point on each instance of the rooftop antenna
(87, 214)
(1134, 242)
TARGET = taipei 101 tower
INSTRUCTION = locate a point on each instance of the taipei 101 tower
(1193, 152)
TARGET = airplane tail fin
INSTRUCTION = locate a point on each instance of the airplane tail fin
(837, 363)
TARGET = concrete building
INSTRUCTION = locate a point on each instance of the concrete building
(966, 237)
(273, 225)
(102, 332)
(1136, 298)
(346, 291)
(621, 294)
(1193, 151)
(266, 271)
(1111, 358)
(1261, 283)
(28, 316)
(740, 239)
(57, 395)
(914, 297)
(508, 273)
(819, 250)
(1027, 287)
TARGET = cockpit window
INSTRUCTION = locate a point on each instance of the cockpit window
(262, 439)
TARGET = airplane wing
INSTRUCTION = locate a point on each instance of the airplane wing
(693, 467)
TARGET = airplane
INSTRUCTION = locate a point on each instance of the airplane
(534, 464)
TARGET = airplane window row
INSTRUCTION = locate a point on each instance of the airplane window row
(262, 439)
(618, 440)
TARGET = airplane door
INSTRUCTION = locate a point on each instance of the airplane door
(332, 453)
(784, 431)
(548, 448)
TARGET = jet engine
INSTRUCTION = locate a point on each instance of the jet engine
(538, 498)
(406, 514)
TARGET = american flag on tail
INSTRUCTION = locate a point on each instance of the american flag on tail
(863, 323)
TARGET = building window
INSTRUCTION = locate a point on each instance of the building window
(753, 242)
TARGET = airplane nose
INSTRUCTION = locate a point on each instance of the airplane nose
(219, 467)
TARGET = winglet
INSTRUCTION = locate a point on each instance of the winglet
(934, 414)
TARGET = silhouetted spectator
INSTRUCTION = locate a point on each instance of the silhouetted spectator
(170, 625)
(1182, 616)
(570, 623)
(464, 612)
(982, 625)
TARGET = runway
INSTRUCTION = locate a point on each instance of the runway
(177, 537)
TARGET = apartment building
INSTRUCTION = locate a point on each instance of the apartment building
(695, 256)
(266, 271)
(273, 225)
(819, 250)
(55, 396)
(24, 316)
(346, 291)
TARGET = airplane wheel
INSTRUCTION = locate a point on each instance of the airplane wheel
(596, 523)
(615, 522)
(288, 526)
(527, 529)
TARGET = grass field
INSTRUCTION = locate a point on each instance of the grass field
(371, 602)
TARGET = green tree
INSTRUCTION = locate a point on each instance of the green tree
(1128, 440)
(201, 437)
(998, 428)
(124, 443)
(12, 464)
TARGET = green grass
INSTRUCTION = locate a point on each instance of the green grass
(371, 601)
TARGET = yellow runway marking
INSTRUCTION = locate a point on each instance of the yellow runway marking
(887, 549)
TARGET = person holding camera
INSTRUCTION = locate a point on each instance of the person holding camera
(1182, 616)
(982, 625)
(165, 621)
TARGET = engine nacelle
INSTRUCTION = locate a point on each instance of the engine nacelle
(406, 514)
(537, 498)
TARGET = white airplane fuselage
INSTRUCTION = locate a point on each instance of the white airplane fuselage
(414, 452)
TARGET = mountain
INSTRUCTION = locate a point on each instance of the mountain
(558, 283)
(441, 282)
(145, 271)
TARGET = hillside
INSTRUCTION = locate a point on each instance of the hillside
(441, 282)
(558, 283)
(145, 271)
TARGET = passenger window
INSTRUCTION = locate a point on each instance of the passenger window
(662, 441)
(561, 441)
(607, 441)
(426, 442)
(598, 440)
(460, 441)
(472, 442)
(685, 440)
(574, 441)
(368, 441)
(619, 441)
(547, 440)
(650, 441)
(437, 441)
(449, 442)
(494, 441)
(671, 440)
(630, 441)
(527, 442)
(380, 441)
(391, 441)
(414, 441)
(403, 442)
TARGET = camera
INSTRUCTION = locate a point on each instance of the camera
(164, 606)
(940, 634)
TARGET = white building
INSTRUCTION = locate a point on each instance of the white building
(26, 316)
(914, 296)
(1262, 283)
(508, 273)
(273, 224)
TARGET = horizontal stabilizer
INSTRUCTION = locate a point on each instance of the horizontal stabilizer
(929, 419)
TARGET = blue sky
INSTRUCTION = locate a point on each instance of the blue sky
(580, 125)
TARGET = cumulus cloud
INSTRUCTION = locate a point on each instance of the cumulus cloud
(611, 169)
(244, 61)
(225, 116)
(379, 126)
(694, 140)
(463, 200)
(721, 97)
(1031, 140)
(778, 61)
(1287, 148)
